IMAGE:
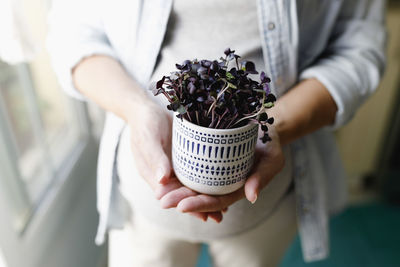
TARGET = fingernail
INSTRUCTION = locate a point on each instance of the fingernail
(254, 199)
(181, 209)
(160, 174)
(165, 205)
(216, 220)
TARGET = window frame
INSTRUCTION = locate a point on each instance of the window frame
(23, 224)
(13, 179)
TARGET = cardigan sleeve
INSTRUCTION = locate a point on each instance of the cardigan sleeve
(354, 59)
(75, 32)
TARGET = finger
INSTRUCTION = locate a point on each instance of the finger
(171, 199)
(156, 159)
(216, 216)
(152, 163)
(207, 203)
(143, 167)
(252, 186)
(200, 203)
(163, 166)
(264, 171)
(162, 189)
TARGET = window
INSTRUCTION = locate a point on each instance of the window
(48, 152)
(39, 127)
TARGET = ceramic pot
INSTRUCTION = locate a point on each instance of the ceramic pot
(212, 161)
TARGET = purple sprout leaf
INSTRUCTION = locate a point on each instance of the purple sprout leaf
(185, 67)
(206, 93)
(249, 67)
(266, 88)
(263, 117)
(205, 63)
(202, 72)
(264, 78)
(160, 83)
(192, 88)
(200, 99)
(264, 128)
(215, 66)
(175, 105)
(228, 51)
(270, 98)
(265, 138)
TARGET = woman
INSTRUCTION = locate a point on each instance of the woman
(324, 58)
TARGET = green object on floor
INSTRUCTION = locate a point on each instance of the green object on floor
(367, 236)
(204, 258)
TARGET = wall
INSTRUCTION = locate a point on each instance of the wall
(360, 142)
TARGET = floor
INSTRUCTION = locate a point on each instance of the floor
(366, 235)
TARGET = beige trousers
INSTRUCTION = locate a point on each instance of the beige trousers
(142, 244)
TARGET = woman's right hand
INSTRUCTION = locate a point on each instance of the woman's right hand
(151, 138)
(151, 126)
(150, 143)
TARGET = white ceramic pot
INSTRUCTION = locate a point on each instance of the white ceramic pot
(212, 161)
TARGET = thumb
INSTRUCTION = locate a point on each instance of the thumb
(264, 172)
(160, 164)
(252, 187)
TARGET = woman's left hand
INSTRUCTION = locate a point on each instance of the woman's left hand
(269, 161)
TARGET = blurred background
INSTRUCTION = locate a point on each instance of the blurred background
(48, 150)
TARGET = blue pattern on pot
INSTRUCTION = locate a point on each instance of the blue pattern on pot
(212, 161)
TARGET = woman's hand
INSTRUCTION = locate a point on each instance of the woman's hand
(151, 143)
(151, 135)
(269, 161)
(96, 75)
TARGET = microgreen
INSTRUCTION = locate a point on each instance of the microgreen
(215, 95)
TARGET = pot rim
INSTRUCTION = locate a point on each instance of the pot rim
(203, 129)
